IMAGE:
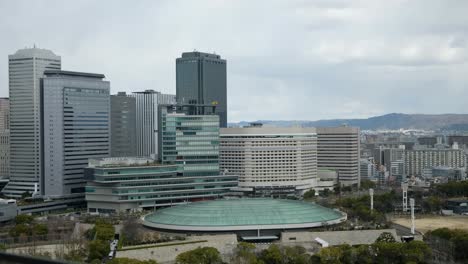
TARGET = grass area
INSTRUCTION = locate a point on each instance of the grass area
(162, 245)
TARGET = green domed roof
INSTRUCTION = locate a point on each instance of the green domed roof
(246, 213)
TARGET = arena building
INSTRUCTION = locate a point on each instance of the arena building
(250, 218)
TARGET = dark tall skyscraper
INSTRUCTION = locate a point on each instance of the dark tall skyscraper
(123, 125)
(201, 79)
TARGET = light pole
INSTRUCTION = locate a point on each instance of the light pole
(412, 215)
(404, 187)
(371, 193)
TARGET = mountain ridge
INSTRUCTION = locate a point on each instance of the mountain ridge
(391, 121)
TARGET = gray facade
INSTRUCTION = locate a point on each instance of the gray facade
(26, 67)
(123, 125)
(75, 127)
(338, 149)
(4, 138)
(201, 79)
(147, 112)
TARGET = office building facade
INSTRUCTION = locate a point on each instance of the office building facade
(270, 161)
(75, 110)
(4, 138)
(201, 79)
(147, 128)
(123, 125)
(188, 170)
(338, 149)
(26, 67)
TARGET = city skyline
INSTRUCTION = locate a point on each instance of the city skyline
(351, 58)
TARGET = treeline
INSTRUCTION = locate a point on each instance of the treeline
(453, 189)
(359, 207)
(453, 241)
(379, 252)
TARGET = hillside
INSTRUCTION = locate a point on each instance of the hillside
(389, 121)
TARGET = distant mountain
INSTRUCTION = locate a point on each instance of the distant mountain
(389, 121)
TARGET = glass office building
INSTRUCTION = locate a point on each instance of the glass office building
(187, 171)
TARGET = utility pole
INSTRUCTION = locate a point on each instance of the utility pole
(371, 193)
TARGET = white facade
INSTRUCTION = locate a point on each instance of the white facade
(26, 67)
(147, 112)
(270, 157)
(417, 160)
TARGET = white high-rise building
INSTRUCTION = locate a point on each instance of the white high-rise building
(147, 113)
(270, 160)
(26, 67)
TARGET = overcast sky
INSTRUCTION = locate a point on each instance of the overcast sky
(288, 60)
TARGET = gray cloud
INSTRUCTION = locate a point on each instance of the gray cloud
(301, 60)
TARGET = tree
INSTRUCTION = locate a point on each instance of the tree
(367, 184)
(272, 255)
(244, 254)
(24, 219)
(201, 255)
(309, 194)
(386, 237)
(330, 255)
(20, 229)
(98, 249)
(130, 261)
(25, 195)
(40, 230)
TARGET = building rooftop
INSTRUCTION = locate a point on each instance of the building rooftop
(123, 162)
(33, 52)
(248, 213)
(74, 74)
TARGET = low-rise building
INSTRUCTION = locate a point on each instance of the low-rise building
(8, 209)
(133, 184)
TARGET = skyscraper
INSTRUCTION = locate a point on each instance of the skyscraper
(75, 127)
(4, 138)
(123, 125)
(26, 67)
(201, 79)
(147, 112)
(338, 149)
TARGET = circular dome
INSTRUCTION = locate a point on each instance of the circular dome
(243, 214)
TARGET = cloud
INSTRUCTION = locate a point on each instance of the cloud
(286, 59)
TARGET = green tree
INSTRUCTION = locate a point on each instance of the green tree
(272, 255)
(24, 219)
(244, 254)
(98, 249)
(309, 194)
(330, 255)
(26, 194)
(296, 255)
(201, 255)
(386, 237)
(416, 252)
(367, 184)
(130, 261)
(40, 230)
(20, 229)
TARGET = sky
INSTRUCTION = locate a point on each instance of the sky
(286, 59)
